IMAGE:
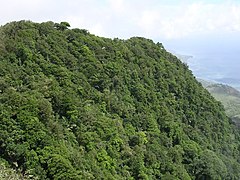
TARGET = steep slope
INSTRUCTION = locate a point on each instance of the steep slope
(223, 89)
(77, 106)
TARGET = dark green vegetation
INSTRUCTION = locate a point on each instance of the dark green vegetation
(228, 96)
(77, 106)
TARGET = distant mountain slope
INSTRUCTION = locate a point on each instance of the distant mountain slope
(228, 96)
(206, 83)
(223, 89)
(183, 58)
(231, 81)
(77, 106)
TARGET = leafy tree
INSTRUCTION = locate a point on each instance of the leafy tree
(62, 26)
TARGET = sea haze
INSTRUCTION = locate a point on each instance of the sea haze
(215, 57)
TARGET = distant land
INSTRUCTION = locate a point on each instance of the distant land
(228, 96)
(225, 89)
(230, 81)
(183, 58)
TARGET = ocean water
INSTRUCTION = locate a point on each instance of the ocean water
(220, 67)
(215, 58)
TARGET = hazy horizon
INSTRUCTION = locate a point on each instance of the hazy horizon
(214, 57)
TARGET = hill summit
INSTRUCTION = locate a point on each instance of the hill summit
(77, 106)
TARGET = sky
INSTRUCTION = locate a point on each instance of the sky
(209, 30)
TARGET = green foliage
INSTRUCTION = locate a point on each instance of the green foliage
(77, 106)
(62, 26)
(210, 166)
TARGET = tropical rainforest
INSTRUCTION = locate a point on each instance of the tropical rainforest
(77, 106)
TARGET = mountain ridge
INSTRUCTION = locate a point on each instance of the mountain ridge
(78, 106)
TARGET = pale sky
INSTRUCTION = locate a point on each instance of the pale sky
(184, 26)
(156, 19)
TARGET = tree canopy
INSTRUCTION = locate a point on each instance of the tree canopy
(77, 106)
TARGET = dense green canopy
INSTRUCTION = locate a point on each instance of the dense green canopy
(77, 106)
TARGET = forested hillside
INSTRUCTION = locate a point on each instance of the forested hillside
(77, 106)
